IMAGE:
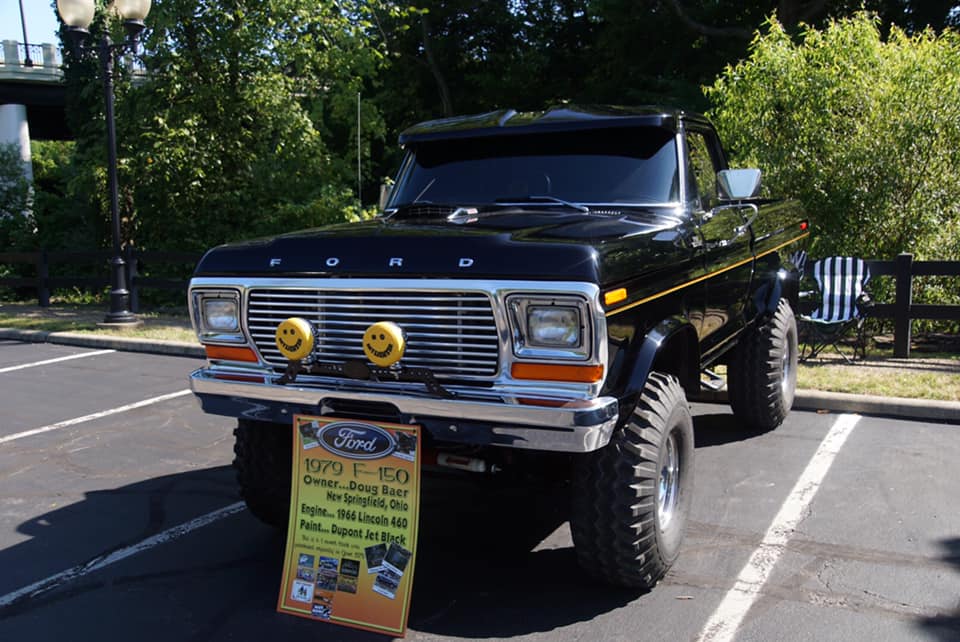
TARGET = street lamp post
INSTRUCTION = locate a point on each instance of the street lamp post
(77, 15)
(27, 62)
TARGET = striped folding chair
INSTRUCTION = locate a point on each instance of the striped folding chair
(841, 281)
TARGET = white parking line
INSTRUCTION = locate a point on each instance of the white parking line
(96, 415)
(57, 360)
(107, 559)
(725, 621)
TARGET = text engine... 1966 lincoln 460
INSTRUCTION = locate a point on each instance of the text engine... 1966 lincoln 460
(541, 291)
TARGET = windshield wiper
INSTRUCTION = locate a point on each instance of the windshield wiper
(424, 191)
(519, 200)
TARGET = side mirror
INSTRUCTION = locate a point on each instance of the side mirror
(385, 191)
(738, 184)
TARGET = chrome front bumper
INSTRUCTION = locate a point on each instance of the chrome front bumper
(478, 418)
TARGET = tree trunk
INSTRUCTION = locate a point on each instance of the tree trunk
(445, 102)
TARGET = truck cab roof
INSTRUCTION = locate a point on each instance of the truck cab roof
(509, 122)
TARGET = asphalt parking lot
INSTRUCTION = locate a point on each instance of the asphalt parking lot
(119, 520)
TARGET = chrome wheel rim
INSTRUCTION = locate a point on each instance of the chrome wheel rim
(668, 482)
(786, 370)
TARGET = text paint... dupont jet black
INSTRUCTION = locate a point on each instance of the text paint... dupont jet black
(541, 292)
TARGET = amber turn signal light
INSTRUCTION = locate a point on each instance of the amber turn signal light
(615, 296)
(231, 353)
(556, 372)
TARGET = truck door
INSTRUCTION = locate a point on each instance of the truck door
(726, 248)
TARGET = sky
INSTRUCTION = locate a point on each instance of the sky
(40, 16)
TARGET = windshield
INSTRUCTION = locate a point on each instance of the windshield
(636, 165)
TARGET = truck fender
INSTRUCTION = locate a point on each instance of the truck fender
(782, 283)
(767, 296)
(670, 347)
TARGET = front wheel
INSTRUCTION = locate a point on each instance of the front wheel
(632, 497)
(263, 465)
(763, 372)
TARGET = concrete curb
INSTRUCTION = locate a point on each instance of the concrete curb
(127, 344)
(897, 407)
(918, 409)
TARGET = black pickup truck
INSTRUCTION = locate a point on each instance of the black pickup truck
(540, 288)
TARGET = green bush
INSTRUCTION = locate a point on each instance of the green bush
(63, 221)
(16, 218)
(865, 131)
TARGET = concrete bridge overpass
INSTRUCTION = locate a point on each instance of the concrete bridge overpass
(32, 96)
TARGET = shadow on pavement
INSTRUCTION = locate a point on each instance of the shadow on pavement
(218, 582)
(108, 520)
(946, 627)
(481, 568)
(481, 573)
(719, 429)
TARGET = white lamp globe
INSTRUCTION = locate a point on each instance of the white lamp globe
(77, 13)
(132, 9)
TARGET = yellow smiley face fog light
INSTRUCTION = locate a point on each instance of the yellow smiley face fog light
(384, 343)
(295, 338)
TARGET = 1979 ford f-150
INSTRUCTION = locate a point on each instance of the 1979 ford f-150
(539, 287)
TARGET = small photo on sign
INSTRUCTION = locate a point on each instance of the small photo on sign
(329, 564)
(396, 558)
(326, 581)
(321, 611)
(350, 567)
(305, 560)
(387, 583)
(308, 433)
(375, 555)
(305, 573)
(406, 446)
(347, 584)
(302, 591)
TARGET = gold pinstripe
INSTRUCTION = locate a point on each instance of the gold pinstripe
(704, 277)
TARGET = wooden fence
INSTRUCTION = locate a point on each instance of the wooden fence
(903, 310)
(43, 282)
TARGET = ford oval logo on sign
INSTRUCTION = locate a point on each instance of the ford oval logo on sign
(357, 441)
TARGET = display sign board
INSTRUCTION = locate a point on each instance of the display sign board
(354, 511)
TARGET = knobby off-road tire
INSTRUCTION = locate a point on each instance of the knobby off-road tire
(631, 498)
(262, 461)
(762, 378)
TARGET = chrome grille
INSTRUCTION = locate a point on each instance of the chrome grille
(451, 333)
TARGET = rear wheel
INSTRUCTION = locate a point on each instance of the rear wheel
(763, 372)
(263, 465)
(632, 497)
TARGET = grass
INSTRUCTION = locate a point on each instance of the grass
(165, 325)
(933, 376)
(923, 376)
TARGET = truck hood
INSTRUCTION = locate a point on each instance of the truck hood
(524, 244)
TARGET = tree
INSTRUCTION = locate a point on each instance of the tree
(59, 223)
(16, 220)
(864, 131)
(246, 121)
(712, 19)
